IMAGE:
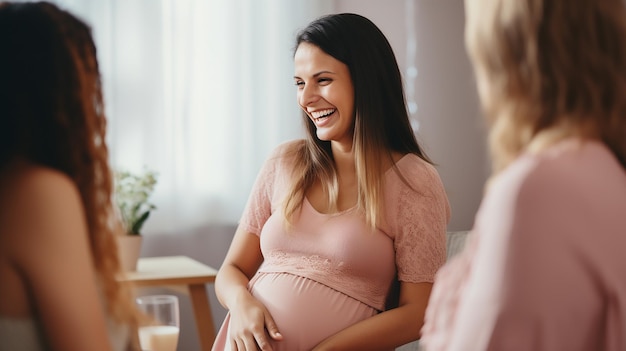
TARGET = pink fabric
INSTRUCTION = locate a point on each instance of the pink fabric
(330, 271)
(545, 268)
(303, 325)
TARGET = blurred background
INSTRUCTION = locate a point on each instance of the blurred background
(200, 91)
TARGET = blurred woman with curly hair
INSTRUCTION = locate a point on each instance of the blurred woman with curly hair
(58, 256)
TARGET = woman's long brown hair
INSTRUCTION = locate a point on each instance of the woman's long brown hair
(381, 121)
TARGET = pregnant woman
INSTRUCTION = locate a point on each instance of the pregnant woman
(344, 230)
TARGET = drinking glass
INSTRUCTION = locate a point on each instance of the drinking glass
(159, 330)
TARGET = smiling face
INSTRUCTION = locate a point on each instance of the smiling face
(325, 93)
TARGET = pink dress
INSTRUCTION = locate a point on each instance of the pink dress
(331, 270)
(545, 268)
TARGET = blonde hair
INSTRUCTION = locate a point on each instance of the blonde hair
(543, 64)
(310, 162)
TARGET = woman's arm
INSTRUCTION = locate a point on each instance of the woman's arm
(249, 319)
(388, 329)
(52, 253)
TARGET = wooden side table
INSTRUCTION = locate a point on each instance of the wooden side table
(181, 271)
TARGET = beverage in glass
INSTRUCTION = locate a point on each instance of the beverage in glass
(160, 328)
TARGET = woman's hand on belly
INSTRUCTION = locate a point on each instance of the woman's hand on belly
(251, 325)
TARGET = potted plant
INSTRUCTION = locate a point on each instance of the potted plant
(132, 197)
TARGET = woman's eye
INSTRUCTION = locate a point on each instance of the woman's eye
(324, 81)
(299, 83)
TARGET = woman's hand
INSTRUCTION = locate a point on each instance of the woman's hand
(251, 325)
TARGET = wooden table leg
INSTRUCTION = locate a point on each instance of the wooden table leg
(203, 315)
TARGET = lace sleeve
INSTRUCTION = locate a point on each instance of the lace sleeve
(259, 206)
(421, 216)
(266, 188)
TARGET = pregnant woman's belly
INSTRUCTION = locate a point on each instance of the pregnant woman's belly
(306, 311)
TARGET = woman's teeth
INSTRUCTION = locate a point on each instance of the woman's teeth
(322, 114)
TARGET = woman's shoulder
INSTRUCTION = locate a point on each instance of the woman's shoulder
(36, 197)
(565, 180)
(418, 172)
(37, 203)
(27, 180)
(415, 182)
(281, 159)
(288, 147)
(286, 152)
(576, 161)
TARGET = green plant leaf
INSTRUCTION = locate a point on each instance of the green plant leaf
(136, 228)
(132, 193)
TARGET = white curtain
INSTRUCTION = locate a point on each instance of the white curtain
(199, 91)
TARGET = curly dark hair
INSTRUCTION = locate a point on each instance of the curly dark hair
(53, 115)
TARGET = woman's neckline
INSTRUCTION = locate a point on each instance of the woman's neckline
(352, 208)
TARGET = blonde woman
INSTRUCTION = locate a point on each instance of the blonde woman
(544, 270)
(339, 220)
(58, 259)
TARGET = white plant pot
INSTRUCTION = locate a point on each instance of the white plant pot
(129, 248)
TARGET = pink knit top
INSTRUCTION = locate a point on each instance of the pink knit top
(339, 250)
(545, 266)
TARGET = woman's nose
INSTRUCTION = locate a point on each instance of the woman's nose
(308, 94)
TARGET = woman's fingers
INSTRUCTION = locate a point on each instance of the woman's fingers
(250, 344)
(234, 345)
(254, 341)
(262, 341)
(272, 328)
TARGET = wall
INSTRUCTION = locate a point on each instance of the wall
(450, 124)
